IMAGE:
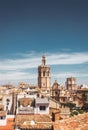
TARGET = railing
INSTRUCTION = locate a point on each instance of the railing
(26, 111)
(10, 116)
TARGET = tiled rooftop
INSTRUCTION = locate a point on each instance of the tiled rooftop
(40, 121)
(79, 122)
(37, 126)
(9, 126)
(38, 118)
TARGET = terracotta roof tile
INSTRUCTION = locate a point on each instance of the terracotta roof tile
(9, 126)
(42, 121)
(79, 122)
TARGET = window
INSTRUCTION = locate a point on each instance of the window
(6, 107)
(0, 99)
(7, 100)
(40, 74)
(1, 117)
(7, 103)
(43, 73)
(56, 92)
(43, 84)
(48, 73)
(42, 108)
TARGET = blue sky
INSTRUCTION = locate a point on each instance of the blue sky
(30, 28)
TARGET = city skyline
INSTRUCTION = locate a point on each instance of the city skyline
(29, 29)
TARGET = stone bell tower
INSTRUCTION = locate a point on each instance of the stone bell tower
(71, 84)
(44, 75)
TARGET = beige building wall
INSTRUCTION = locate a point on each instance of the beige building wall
(71, 84)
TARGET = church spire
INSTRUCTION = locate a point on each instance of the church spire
(43, 60)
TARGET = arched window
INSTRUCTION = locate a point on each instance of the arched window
(40, 74)
(48, 73)
(43, 73)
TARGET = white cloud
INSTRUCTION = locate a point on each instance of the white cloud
(34, 59)
(32, 77)
(69, 74)
(16, 69)
(17, 76)
(68, 58)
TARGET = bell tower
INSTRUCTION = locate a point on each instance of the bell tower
(44, 75)
(71, 84)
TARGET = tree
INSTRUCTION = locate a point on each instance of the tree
(84, 98)
(85, 107)
(70, 105)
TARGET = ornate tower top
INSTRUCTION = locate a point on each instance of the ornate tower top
(43, 60)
